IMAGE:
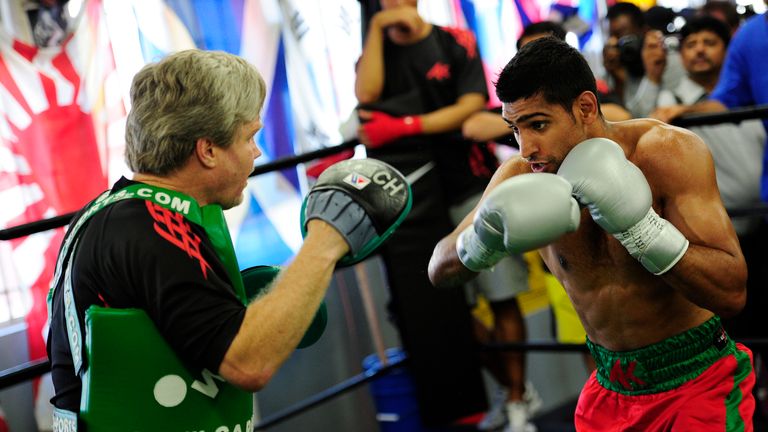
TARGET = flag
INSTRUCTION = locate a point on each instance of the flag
(53, 162)
(306, 51)
(3, 424)
(497, 24)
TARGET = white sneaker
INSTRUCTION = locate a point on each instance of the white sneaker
(532, 399)
(517, 415)
(496, 416)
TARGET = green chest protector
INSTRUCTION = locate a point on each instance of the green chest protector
(133, 380)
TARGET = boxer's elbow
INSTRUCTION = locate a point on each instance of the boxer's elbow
(733, 299)
(445, 270)
(435, 272)
(738, 299)
(729, 309)
(733, 304)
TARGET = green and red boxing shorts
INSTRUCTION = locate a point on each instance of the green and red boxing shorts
(699, 380)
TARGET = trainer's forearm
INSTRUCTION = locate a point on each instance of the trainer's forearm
(275, 322)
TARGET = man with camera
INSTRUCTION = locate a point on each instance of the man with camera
(639, 60)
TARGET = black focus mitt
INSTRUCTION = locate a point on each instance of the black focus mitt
(364, 199)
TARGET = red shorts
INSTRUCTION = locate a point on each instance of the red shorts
(719, 399)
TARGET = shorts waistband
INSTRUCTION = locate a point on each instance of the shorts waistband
(664, 365)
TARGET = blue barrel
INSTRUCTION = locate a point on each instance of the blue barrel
(394, 395)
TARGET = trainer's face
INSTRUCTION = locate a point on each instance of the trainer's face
(545, 132)
(702, 53)
(237, 164)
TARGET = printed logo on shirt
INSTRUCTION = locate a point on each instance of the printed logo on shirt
(465, 38)
(358, 181)
(173, 227)
(439, 72)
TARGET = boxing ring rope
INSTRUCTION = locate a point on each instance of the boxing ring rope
(33, 369)
(23, 372)
(276, 165)
(330, 393)
(733, 116)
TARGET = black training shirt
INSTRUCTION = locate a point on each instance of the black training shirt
(136, 254)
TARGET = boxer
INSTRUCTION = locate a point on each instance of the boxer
(627, 215)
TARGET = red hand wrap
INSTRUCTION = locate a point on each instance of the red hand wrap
(383, 128)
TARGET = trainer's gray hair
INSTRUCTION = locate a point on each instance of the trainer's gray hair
(188, 95)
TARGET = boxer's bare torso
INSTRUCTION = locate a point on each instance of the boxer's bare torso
(621, 304)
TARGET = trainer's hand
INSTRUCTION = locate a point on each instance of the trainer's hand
(619, 199)
(522, 213)
(335, 243)
(378, 128)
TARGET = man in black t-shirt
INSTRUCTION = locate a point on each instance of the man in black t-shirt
(158, 244)
(416, 83)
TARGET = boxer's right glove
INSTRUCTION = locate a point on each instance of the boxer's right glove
(522, 213)
(619, 199)
(364, 199)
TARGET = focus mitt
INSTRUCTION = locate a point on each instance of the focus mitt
(364, 199)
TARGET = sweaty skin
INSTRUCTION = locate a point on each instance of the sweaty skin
(620, 303)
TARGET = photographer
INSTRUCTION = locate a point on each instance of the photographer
(637, 59)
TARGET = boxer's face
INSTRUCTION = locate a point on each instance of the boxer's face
(237, 164)
(546, 132)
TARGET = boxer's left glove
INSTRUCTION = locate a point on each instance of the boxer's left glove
(619, 199)
(522, 213)
(364, 199)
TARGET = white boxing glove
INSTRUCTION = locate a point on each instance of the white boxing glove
(619, 199)
(522, 213)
